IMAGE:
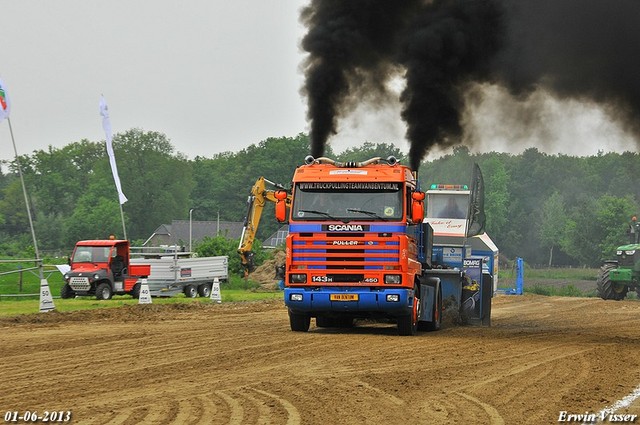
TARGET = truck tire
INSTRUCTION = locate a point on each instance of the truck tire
(606, 289)
(408, 324)
(204, 290)
(104, 291)
(299, 322)
(66, 291)
(436, 317)
(135, 292)
(190, 291)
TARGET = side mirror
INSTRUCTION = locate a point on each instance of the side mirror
(417, 207)
(281, 205)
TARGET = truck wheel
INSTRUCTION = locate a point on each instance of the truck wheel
(436, 317)
(408, 324)
(66, 291)
(204, 290)
(103, 291)
(135, 292)
(606, 289)
(190, 291)
(299, 322)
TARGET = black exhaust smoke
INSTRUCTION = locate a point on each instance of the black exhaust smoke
(446, 46)
(587, 50)
(351, 47)
(355, 46)
(580, 49)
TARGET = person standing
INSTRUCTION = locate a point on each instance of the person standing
(634, 230)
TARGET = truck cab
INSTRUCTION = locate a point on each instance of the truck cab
(102, 268)
(447, 212)
(352, 248)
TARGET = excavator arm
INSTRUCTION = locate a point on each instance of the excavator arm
(255, 204)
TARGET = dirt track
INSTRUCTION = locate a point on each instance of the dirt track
(240, 364)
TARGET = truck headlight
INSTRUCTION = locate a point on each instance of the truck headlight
(393, 298)
(632, 252)
(298, 278)
(96, 276)
(394, 279)
(295, 297)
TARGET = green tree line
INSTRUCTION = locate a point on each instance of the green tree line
(548, 209)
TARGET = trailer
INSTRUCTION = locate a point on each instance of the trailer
(174, 272)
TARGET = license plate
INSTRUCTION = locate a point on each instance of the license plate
(343, 297)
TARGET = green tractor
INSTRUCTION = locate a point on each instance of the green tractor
(618, 277)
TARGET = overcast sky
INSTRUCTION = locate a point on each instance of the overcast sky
(212, 75)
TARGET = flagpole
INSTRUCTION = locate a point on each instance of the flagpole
(106, 125)
(124, 229)
(26, 201)
(46, 299)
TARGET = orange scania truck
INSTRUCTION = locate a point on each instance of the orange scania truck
(357, 246)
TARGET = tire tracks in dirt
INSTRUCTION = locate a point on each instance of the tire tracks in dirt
(243, 365)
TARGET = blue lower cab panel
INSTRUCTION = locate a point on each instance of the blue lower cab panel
(318, 300)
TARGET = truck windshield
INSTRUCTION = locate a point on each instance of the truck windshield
(447, 205)
(348, 201)
(91, 254)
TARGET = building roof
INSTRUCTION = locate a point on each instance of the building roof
(178, 230)
(278, 238)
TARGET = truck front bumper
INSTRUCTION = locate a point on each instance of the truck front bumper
(356, 300)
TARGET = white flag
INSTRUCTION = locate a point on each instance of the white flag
(5, 104)
(106, 124)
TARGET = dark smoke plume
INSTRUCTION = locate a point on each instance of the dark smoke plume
(588, 50)
(448, 45)
(348, 41)
(575, 49)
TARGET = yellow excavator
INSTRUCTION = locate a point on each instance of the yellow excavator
(256, 202)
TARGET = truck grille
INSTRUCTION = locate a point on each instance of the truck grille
(79, 283)
(350, 254)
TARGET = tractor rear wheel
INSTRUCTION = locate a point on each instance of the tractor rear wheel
(607, 290)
